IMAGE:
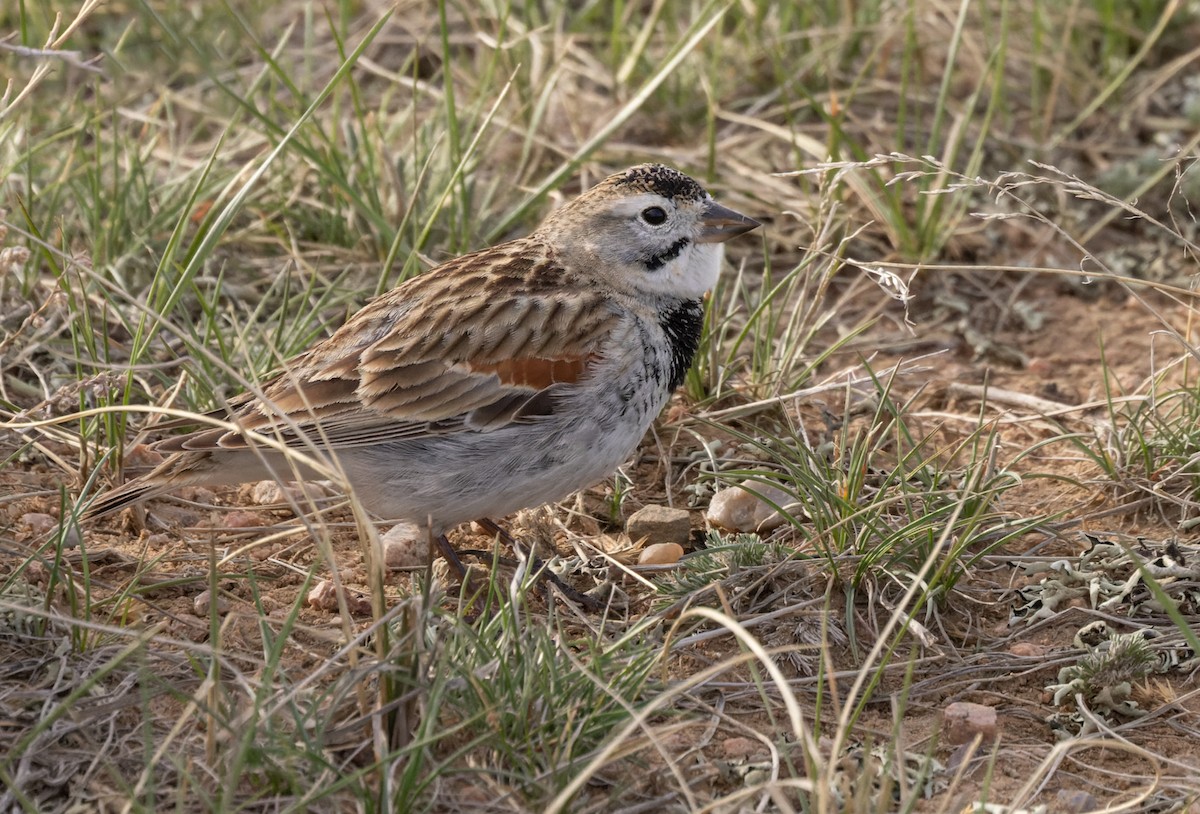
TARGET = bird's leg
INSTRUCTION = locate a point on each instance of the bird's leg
(540, 568)
(447, 551)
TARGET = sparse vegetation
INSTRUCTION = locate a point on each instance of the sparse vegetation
(967, 332)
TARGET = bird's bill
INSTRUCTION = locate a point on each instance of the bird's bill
(722, 223)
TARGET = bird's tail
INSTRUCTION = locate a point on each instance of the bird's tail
(192, 468)
(135, 491)
(168, 476)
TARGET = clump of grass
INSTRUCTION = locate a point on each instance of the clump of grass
(1150, 449)
(876, 496)
(521, 700)
(768, 332)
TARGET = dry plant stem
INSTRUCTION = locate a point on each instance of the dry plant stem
(1049, 766)
(839, 381)
(54, 43)
(1045, 408)
(754, 652)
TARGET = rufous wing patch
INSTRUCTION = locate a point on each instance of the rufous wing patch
(536, 373)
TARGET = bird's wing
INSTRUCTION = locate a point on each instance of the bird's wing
(476, 344)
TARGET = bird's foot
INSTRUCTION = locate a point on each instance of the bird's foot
(540, 569)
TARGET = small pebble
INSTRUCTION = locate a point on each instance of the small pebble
(323, 596)
(660, 524)
(262, 553)
(741, 748)
(963, 720)
(202, 604)
(273, 493)
(41, 524)
(660, 554)
(736, 509)
(267, 492)
(38, 523)
(405, 546)
(1028, 649)
(242, 519)
(199, 494)
(358, 604)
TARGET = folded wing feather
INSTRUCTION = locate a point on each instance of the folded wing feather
(385, 375)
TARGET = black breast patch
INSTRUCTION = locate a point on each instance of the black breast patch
(683, 325)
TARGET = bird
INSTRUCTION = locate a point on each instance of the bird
(507, 378)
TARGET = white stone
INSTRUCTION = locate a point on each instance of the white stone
(661, 554)
(405, 545)
(202, 604)
(737, 509)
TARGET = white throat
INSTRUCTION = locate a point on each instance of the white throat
(694, 271)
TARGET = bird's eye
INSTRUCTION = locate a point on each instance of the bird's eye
(654, 215)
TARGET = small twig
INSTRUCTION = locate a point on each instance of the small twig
(905, 367)
(73, 58)
(1045, 409)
